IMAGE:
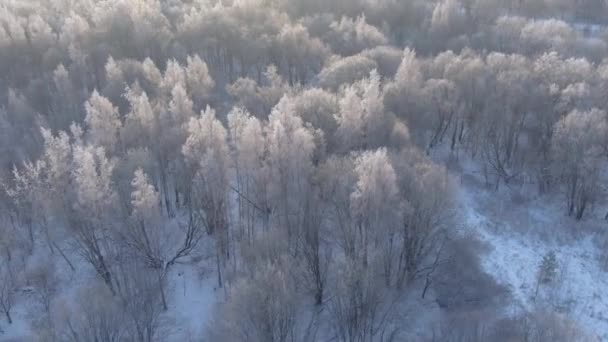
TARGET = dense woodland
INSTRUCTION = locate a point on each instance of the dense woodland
(302, 150)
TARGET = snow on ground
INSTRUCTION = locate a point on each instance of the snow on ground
(520, 229)
(191, 292)
(20, 329)
(26, 307)
(191, 302)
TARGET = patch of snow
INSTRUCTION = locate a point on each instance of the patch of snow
(519, 235)
(20, 330)
(191, 302)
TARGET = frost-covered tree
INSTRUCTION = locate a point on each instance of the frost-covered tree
(387, 59)
(318, 108)
(257, 98)
(66, 100)
(38, 191)
(469, 72)
(443, 108)
(361, 308)
(538, 35)
(207, 157)
(90, 215)
(290, 149)
(428, 210)
(345, 70)
(555, 74)
(20, 129)
(147, 238)
(141, 122)
(403, 95)
(337, 180)
(25, 192)
(303, 55)
(161, 130)
(362, 120)
(174, 75)
(171, 136)
(155, 248)
(448, 18)
(102, 121)
(503, 118)
(579, 142)
(376, 220)
(247, 146)
(199, 81)
(264, 308)
(144, 199)
(350, 36)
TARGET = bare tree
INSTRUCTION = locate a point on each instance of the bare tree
(427, 212)
(42, 274)
(264, 308)
(316, 252)
(95, 316)
(361, 308)
(7, 290)
(140, 298)
(579, 139)
(337, 179)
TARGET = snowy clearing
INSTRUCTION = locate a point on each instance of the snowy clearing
(519, 232)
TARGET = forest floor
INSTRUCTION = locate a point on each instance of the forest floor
(520, 228)
(192, 295)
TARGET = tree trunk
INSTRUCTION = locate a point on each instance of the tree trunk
(162, 289)
(8, 316)
(219, 266)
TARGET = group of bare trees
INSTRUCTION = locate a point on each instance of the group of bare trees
(293, 135)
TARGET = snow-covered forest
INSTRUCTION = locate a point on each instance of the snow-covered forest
(303, 170)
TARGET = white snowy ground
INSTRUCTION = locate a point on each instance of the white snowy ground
(520, 228)
(192, 296)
